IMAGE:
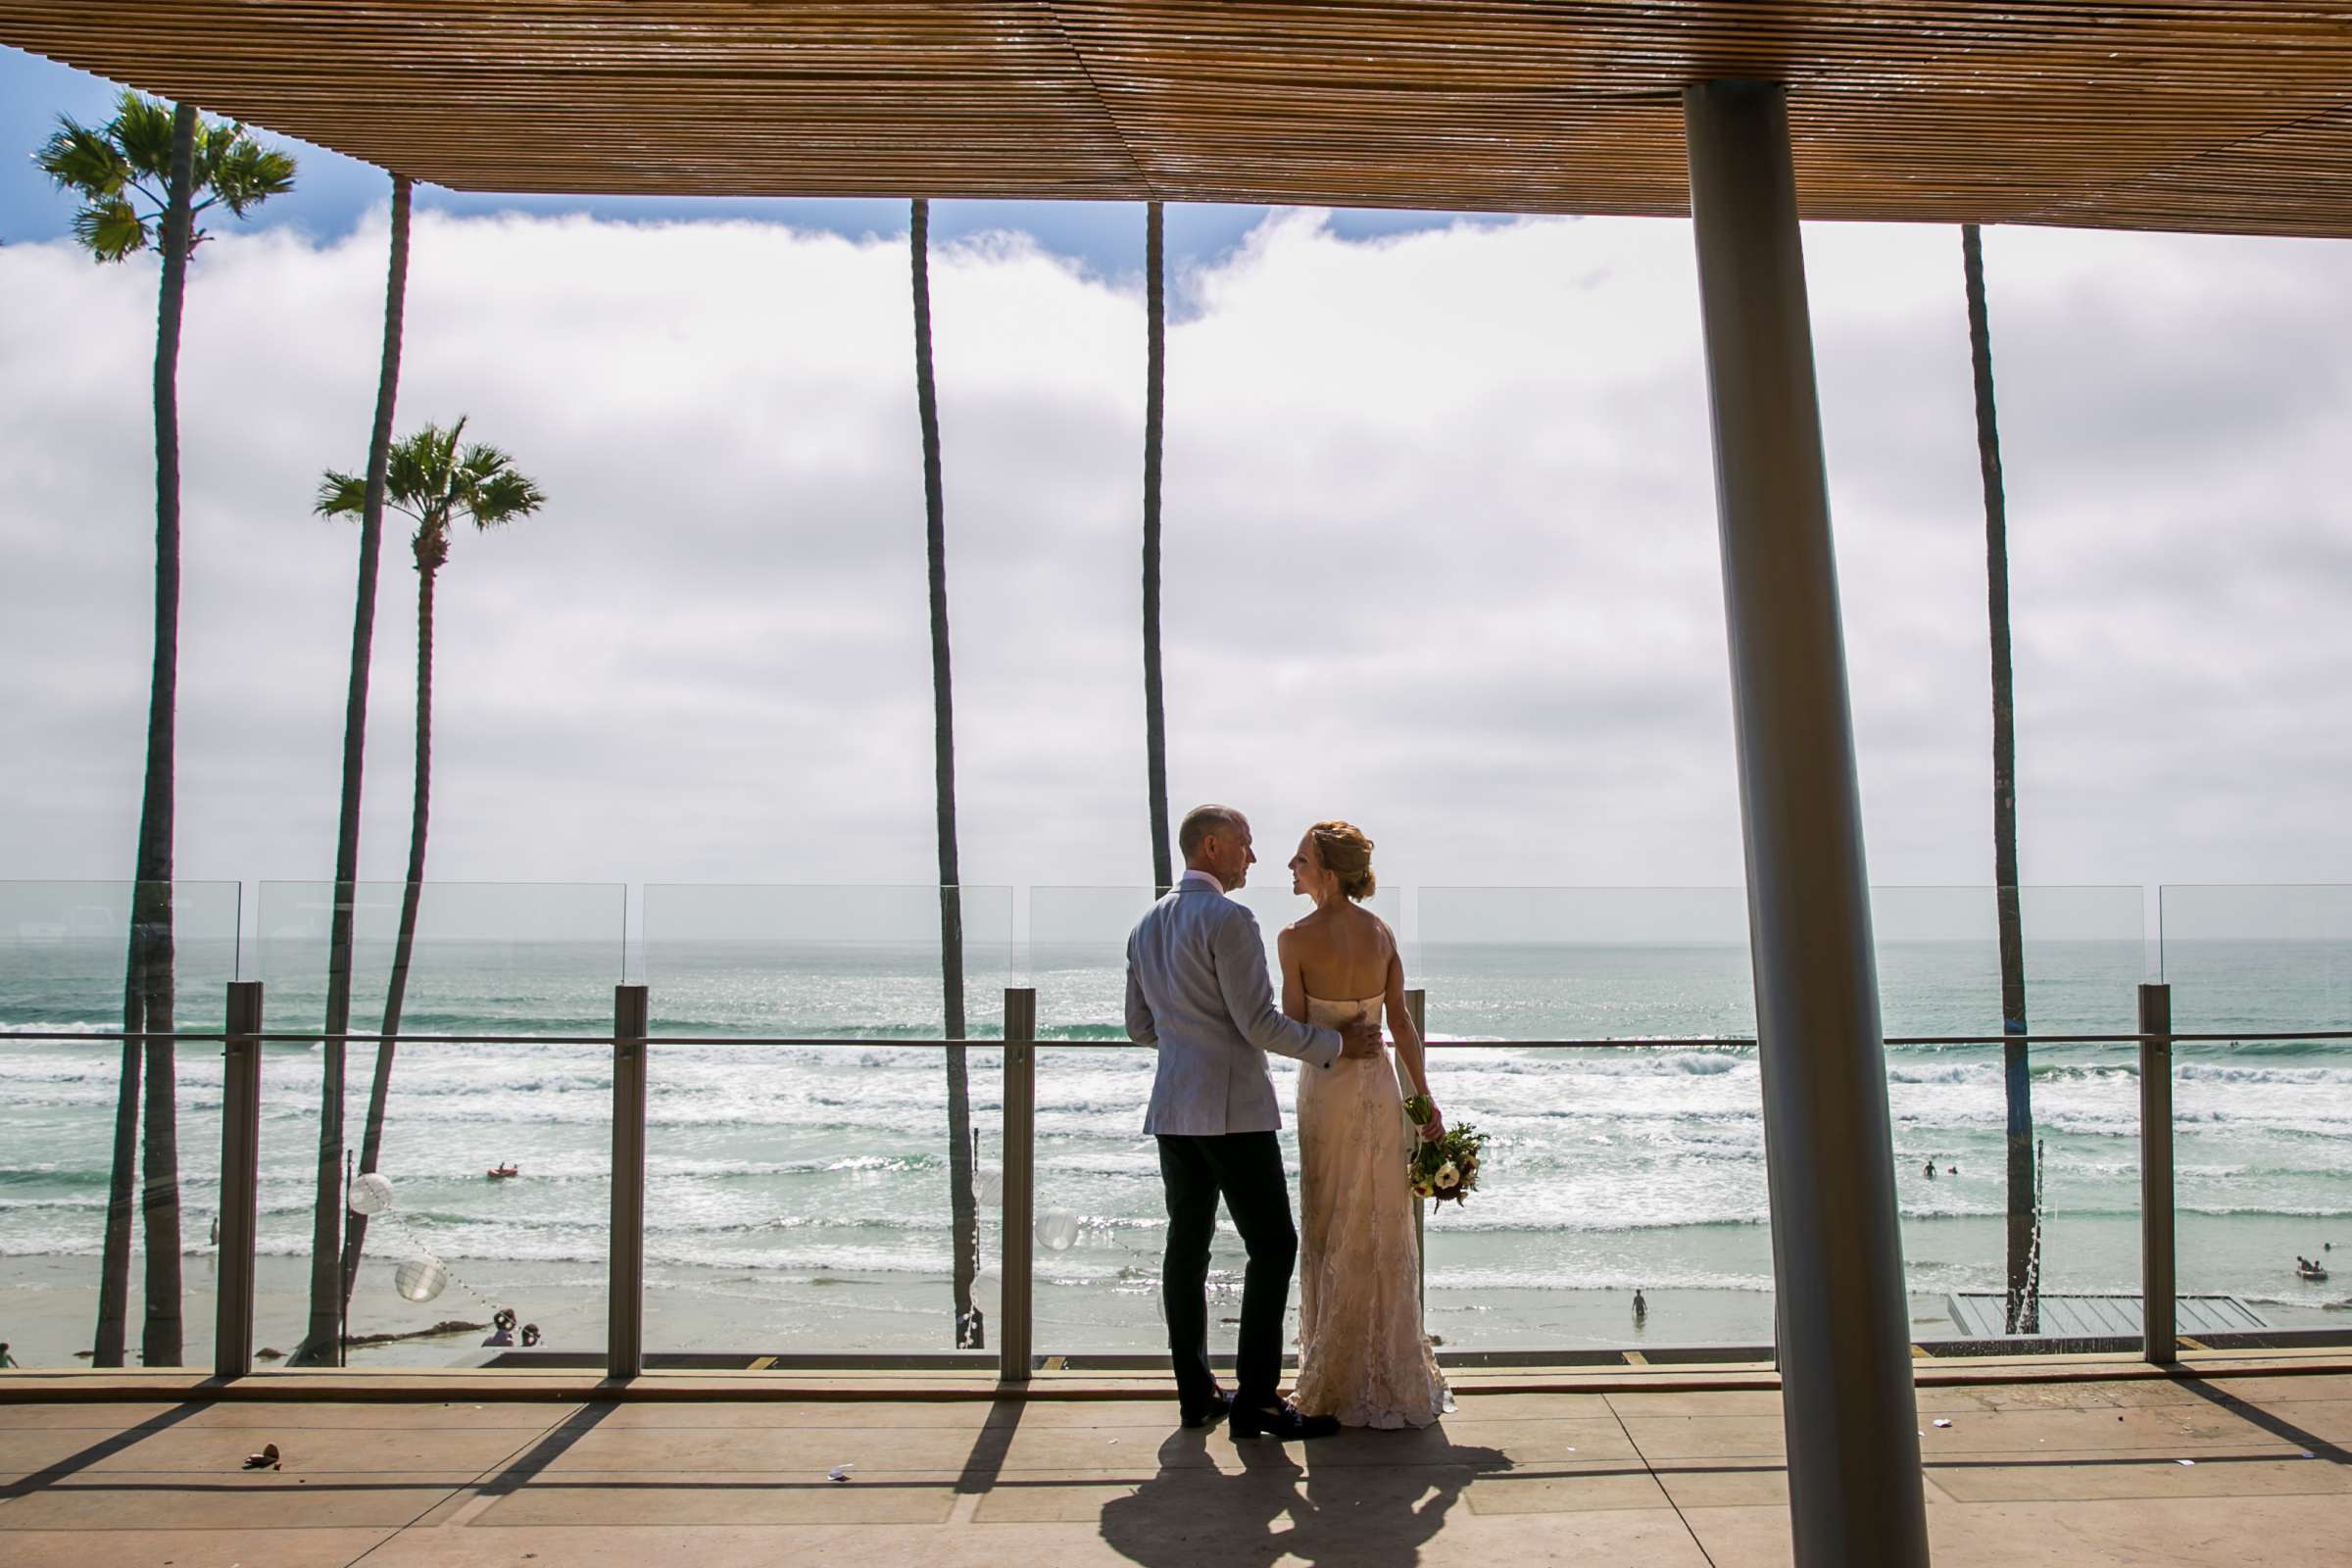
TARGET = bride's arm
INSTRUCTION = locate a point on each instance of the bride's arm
(1294, 980)
(1410, 1049)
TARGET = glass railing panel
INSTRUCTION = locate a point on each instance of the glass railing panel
(1101, 1218)
(447, 1242)
(800, 1197)
(2083, 954)
(64, 950)
(1610, 1170)
(2262, 1150)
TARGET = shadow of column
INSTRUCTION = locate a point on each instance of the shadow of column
(105, 1447)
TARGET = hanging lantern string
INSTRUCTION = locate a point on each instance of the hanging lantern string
(385, 1209)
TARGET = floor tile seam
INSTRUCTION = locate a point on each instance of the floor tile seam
(475, 1486)
(1059, 1475)
(1685, 1461)
(1663, 1504)
(2210, 1453)
(2234, 1499)
(2217, 1453)
(1672, 1502)
(236, 1474)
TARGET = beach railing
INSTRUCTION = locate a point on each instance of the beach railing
(1014, 1358)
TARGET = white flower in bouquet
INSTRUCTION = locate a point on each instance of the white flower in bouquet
(1448, 1177)
(1422, 1188)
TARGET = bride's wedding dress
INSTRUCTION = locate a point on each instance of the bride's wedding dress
(1362, 1356)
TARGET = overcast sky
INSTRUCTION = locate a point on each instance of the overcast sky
(1441, 550)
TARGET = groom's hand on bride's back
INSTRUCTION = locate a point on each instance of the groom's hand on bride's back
(1361, 1039)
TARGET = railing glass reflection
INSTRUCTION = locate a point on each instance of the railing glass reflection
(64, 949)
(799, 1197)
(2263, 1128)
(484, 960)
(2077, 1236)
(1613, 1172)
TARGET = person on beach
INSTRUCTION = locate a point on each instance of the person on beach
(1199, 992)
(1363, 1356)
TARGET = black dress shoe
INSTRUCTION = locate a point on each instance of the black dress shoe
(1284, 1423)
(1196, 1416)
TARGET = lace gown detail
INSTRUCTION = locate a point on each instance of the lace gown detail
(1362, 1355)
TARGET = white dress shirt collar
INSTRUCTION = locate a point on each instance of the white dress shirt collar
(1193, 873)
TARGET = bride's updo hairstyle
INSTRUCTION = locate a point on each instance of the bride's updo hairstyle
(1348, 855)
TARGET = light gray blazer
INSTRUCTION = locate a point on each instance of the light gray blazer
(1196, 988)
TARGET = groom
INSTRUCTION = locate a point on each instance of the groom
(1197, 989)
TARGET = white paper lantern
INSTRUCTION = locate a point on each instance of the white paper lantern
(371, 1195)
(421, 1279)
(1057, 1228)
(991, 1187)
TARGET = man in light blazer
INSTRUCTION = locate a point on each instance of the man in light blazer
(1198, 990)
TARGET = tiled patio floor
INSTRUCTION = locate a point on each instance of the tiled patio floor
(2026, 1472)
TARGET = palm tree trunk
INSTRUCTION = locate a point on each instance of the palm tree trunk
(355, 719)
(113, 1264)
(963, 1214)
(1155, 722)
(151, 899)
(2022, 1309)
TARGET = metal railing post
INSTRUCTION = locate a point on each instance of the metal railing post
(625, 1333)
(1021, 1185)
(1416, 1003)
(240, 1181)
(2158, 1305)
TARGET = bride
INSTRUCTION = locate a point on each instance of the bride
(1362, 1356)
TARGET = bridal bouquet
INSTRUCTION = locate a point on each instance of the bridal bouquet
(1445, 1169)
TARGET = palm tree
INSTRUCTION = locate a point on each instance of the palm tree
(2022, 1312)
(964, 1209)
(142, 178)
(437, 483)
(354, 723)
(1155, 372)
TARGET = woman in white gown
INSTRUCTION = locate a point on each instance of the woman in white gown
(1363, 1354)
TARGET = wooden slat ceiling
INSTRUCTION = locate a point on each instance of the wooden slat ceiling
(2224, 115)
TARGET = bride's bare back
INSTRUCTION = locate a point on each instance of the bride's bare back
(1342, 953)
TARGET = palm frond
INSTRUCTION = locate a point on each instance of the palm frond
(408, 476)
(111, 229)
(80, 160)
(341, 495)
(241, 172)
(143, 129)
(480, 463)
(434, 478)
(503, 497)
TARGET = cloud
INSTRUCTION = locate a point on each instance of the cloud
(1441, 553)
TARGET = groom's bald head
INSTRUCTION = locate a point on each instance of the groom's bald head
(1202, 823)
(1216, 839)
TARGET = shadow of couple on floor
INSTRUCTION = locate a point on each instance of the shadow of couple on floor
(1366, 1499)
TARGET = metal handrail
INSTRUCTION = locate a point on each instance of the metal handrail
(983, 1042)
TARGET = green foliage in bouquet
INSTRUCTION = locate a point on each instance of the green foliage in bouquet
(1445, 1169)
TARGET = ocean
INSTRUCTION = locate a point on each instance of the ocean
(797, 1196)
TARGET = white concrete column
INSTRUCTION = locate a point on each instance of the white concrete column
(1854, 1490)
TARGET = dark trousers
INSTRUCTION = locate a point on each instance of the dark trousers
(1245, 1170)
